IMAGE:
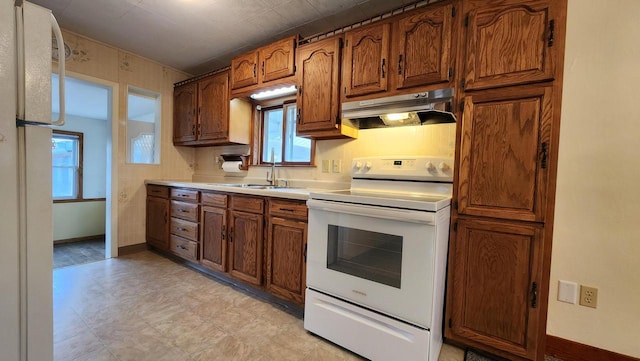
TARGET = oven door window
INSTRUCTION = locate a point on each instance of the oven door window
(365, 254)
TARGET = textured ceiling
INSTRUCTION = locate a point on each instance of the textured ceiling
(197, 36)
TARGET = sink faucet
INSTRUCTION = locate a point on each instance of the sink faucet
(271, 177)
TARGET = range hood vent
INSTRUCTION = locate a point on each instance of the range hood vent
(433, 107)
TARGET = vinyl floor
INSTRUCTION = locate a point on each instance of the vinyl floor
(145, 307)
(74, 253)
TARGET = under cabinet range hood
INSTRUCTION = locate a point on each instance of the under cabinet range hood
(432, 107)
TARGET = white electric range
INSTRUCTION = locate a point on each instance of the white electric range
(376, 258)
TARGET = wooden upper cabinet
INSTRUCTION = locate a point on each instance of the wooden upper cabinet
(244, 70)
(213, 114)
(504, 153)
(204, 115)
(365, 67)
(318, 85)
(266, 66)
(423, 47)
(277, 60)
(496, 293)
(509, 43)
(185, 108)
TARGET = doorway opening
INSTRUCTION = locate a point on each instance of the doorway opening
(82, 154)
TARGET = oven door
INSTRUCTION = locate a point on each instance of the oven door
(377, 257)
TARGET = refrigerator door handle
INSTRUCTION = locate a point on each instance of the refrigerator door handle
(61, 70)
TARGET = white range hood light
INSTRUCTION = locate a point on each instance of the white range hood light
(397, 119)
(275, 93)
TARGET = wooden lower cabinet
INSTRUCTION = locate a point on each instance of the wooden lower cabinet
(183, 247)
(286, 258)
(234, 234)
(213, 238)
(495, 292)
(157, 217)
(246, 235)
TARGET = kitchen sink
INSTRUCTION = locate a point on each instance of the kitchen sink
(250, 186)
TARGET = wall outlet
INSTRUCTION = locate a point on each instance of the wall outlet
(326, 164)
(588, 296)
(336, 166)
(567, 292)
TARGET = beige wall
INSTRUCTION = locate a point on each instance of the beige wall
(436, 140)
(596, 233)
(101, 61)
(78, 219)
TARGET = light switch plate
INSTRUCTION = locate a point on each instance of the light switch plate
(567, 291)
(336, 166)
(326, 163)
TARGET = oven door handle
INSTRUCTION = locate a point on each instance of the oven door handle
(394, 214)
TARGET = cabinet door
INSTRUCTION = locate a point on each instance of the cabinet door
(244, 70)
(318, 81)
(245, 242)
(277, 60)
(365, 68)
(213, 238)
(213, 112)
(495, 296)
(158, 222)
(504, 153)
(510, 43)
(424, 47)
(184, 113)
(286, 259)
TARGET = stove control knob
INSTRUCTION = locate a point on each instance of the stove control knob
(430, 167)
(357, 165)
(443, 167)
(367, 166)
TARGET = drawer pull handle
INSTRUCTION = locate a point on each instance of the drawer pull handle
(182, 210)
(287, 209)
(181, 247)
(181, 229)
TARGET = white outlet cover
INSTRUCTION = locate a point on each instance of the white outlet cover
(567, 292)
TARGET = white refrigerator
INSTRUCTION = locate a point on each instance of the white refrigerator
(26, 222)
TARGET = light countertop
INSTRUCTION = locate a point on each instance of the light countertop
(285, 192)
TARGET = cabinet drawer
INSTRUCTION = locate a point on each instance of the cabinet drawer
(183, 210)
(214, 199)
(184, 229)
(157, 191)
(247, 204)
(187, 195)
(184, 248)
(288, 209)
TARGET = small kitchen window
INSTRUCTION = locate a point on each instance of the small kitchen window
(143, 126)
(279, 137)
(66, 154)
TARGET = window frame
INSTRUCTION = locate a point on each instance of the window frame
(157, 126)
(281, 104)
(79, 173)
